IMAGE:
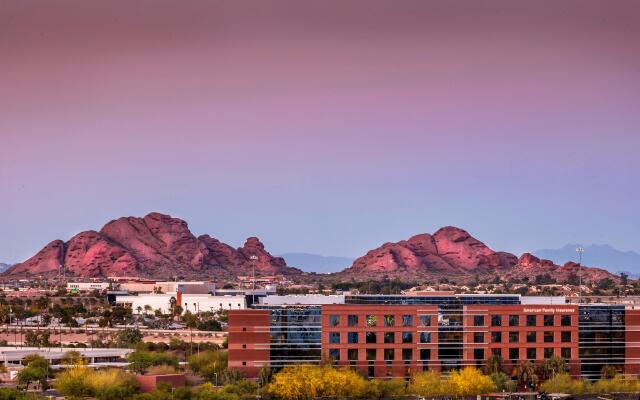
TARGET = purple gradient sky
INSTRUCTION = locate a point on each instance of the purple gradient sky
(326, 127)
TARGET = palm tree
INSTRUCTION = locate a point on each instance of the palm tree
(494, 364)
(527, 374)
(139, 310)
(553, 365)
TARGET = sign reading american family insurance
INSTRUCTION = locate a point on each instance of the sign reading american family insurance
(549, 310)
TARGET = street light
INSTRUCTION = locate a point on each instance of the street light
(580, 250)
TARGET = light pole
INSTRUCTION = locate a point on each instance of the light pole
(580, 250)
(253, 259)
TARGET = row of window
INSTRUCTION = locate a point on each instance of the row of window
(425, 337)
(387, 320)
(425, 320)
(387, 337)
(388, 354)
(425, 354)
(530, 320)
(531, 353)
(531, 337)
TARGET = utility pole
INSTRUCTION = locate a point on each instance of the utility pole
(580, 250)
(253, 259)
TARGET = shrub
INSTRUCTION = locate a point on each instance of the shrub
(427, 384)
(470, 382)
(306, 382)
(110, 384)
(143, 360)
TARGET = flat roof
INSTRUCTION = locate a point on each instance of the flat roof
(56, 353)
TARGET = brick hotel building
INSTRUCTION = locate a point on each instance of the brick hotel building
(395, 336)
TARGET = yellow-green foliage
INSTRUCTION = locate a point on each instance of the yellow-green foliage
(307, 381)
(379, 388)
(563, 383)
(428, 384)
(464, 383)
(111, 384)
(470, 382)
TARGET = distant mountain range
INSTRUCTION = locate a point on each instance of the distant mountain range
(4, 267)
(317, 263)
(602, 255)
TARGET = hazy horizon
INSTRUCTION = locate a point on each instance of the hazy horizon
(326, 128)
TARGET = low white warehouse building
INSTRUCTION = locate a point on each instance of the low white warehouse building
(195, 303)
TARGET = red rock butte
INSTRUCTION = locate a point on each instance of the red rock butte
(160, 246)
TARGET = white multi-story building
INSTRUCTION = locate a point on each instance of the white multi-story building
(148, 303)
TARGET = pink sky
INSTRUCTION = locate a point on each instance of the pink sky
(328, 127)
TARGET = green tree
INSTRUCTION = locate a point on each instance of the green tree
(209, 365)
(552, 366)
(72, 357)
(129, 337)
(264, 376)
(503, 382)
(37, 370)
(141, 360)
(494, 364)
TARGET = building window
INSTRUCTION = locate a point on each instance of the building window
(514, 337)
(548, 337)
(531, 337)
(244, 346)
(334, 337)
(565, 337)
(565, 353)
(370, 337)
(334, 320)
(478, 354)
(425, 337)
(389, 355)
(514, 354)
(496, 320)
(496, 352)
(389, 337)
(478, 320)
(531, 354)
(389, 320)
(496, 337)
(548, 352)
(514, 320)
(407, 337)
(531, 320)
(371, 354)
(244, 363)
(565, 320)
(478, 337)
(352, 337)
(425, 320)
(352, 354)
(407, 354)
(334, 354)
(352, 320)
(548, 320)
(372, 320)
(407, 320)
(425, 354)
